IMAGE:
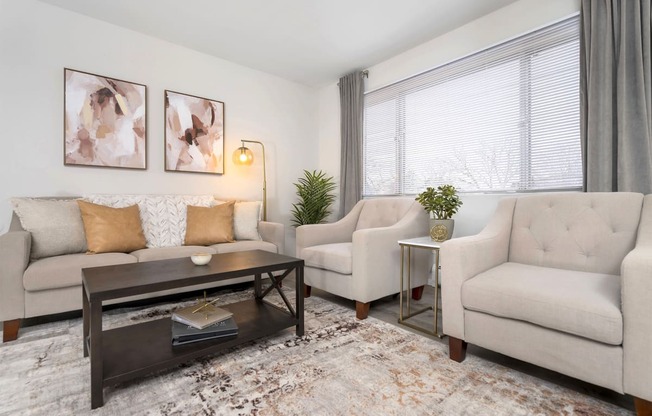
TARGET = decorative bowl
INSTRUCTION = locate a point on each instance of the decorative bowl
(201, 259)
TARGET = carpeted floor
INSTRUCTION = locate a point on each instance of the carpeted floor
(342, 366)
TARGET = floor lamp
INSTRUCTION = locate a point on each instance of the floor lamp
(244, 156)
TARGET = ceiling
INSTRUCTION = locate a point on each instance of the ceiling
(312, 42)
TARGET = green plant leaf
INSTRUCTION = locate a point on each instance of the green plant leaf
(442, 202)
(315, 192)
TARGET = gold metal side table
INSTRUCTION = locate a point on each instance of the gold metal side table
(428, 244)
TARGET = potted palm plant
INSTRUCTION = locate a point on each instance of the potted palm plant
(315, 192)
(441, 203)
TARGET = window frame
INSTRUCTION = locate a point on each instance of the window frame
(525, 112)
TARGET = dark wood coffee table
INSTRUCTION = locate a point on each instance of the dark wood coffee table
(121, 354)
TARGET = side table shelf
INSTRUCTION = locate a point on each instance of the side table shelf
(424, 243)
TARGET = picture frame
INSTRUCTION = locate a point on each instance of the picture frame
(105, 121)
(194, 134)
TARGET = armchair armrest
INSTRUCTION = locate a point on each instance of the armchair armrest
(463, 258)
(337, 232)
(376, 256)
(15, 249)
(636, 293)
(273, 232)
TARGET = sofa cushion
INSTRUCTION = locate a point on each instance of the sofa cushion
(163, 217)
(335, 257)
(591, 232)
(209, 225)
(579, 303)
(164, 253)
(111, 229)
(245, 220)
(383, 212)
(55, 225)
(245, 245)
(64, 271)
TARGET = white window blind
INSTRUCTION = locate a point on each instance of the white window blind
(503, 119)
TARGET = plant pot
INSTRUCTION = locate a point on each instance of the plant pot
(441, 230)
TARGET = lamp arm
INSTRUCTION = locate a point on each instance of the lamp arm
(264, 176)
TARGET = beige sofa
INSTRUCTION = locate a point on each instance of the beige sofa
(358, 256)
(563, 281)
(50, 285)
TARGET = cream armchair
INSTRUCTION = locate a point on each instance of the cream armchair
(563, 281)
(358, 257)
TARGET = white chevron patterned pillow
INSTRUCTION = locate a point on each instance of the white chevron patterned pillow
(163, 217)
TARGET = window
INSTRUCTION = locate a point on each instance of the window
(503, 119)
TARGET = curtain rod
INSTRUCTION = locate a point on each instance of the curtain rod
(365, 74)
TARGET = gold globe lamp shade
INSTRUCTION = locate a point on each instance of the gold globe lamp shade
(243, 156)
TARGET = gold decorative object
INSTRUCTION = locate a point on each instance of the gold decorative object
(206, 306)
(441, 230)
(438, 232)
(201, 315)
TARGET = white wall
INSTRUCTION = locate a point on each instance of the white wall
(328, 130)
(38, 40)
(511, 21)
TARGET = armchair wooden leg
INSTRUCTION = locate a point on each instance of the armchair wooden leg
(643, 407)
(456, 349)
(362, 310)
(417, 292)
(306, 290)
(10, 330)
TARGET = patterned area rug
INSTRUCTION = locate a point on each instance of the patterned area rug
(342, 366)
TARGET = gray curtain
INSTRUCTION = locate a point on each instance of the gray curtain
(351, 108)
(616, 95)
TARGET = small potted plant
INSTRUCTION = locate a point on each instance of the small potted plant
(315, 192)
(441, 203)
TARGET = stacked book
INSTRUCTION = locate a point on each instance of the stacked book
(201, 322)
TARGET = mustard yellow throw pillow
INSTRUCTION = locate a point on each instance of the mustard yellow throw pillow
(206, 226)
(112, 229)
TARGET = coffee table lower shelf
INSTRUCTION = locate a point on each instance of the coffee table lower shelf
(137, 350)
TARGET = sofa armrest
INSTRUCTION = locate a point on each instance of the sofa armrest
(336, 232)
(15, 249)
(463, 258)
(377, 261)
(273, 232)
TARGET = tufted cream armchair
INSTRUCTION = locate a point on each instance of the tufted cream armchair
(563, 281)
(358, 256)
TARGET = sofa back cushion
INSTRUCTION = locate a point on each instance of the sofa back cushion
(589, 232)
(163, 217)
(246, 215)
(383, 212)
(55, 225)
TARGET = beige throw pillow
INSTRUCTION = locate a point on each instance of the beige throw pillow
(55, 225)
(112, 229)
(245, 220)
(206, 226)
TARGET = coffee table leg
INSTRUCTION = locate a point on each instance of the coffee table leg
(299, 296)
(85, 314)
(97, 395)
(258, 286)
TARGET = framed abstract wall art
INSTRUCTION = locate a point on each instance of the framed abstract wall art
(105, 121)
(194, 134)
